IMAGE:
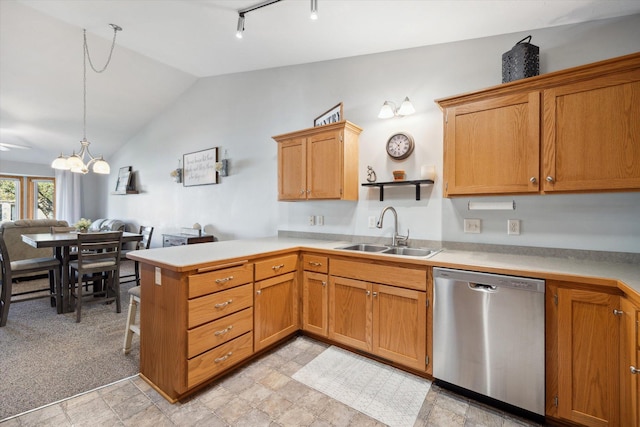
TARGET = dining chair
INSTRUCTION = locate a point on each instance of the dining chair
(145, 243)
(12, 270)
(99, 263)
(132, 326)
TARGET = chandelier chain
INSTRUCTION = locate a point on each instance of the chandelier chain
(86, 56)
(113, 44)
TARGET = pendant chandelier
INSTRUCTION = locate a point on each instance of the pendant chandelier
(83, 161)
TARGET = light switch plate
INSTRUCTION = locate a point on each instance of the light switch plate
(372, 222)
(472, 226)
(312, 220)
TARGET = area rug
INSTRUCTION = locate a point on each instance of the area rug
(46, 357)
(387, 394)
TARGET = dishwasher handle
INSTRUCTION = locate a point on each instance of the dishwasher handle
(482, 288)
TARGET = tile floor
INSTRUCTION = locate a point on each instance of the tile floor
(260, 394)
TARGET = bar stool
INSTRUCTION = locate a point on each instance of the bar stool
(132, 326)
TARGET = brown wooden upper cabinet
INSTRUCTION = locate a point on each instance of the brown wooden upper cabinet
(319, 163)
(569, 131)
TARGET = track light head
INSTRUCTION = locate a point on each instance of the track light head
(314, 9)
(240, 29)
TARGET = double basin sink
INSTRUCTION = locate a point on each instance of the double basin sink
(391, 250)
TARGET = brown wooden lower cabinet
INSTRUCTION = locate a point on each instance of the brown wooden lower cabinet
(315, 303)
(276, 301)
(583, 377)
(629, 358)
(387, 321)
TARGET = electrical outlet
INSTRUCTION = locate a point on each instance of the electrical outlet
(372, 222)
(320, 220)
(513, 226)
(471, 225)
(312, 220)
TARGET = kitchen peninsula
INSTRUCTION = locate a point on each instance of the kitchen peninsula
(209, 307)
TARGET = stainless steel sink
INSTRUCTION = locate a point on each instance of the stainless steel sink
(418, 252)
(391, 250)
(365, 247)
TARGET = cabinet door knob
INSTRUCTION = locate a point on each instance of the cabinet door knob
(258, 292)
(375, 294)
(324, 283)
(533, 179)
(308, 191)
(368, 293)
(301, 191)
(618, 312)
(549, 179)
(634, 370)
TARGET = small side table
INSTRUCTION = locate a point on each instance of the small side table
(185, 239)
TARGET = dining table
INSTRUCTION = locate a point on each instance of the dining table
(62, 243)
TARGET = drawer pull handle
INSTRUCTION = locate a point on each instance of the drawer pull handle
(223, 358)
(277, 267)
(634, 370)
(618, 312)
(223, 331)
(224, 280)
(315, 264)
(223, 304)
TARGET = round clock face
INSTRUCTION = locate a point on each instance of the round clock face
(400, 146)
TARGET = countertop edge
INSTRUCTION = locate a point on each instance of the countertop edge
(624, 277)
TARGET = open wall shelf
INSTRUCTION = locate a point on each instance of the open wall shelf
(381, 185)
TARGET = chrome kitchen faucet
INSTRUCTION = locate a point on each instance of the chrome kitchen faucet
(396, 239)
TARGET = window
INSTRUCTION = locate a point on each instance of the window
(38, 192)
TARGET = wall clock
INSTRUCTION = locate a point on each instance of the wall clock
(400, 146)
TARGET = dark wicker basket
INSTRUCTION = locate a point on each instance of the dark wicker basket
(522, 61)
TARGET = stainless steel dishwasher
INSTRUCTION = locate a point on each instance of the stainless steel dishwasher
(488, 336)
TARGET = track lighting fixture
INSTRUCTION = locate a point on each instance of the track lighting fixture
(243, 12)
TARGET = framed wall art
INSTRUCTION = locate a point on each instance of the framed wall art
(122, 184)
(332, 115)
(199, 168)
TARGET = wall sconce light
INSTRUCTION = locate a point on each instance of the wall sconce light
(223, 165)
(389, 109)
(176, 174)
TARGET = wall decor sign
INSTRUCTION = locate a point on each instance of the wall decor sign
(199, 168)
(124, 175)
(332, 115)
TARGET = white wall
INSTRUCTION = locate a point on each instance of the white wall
(240, 113)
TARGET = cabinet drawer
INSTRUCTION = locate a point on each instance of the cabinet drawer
(214, 281)
(218, 332)
(215, 306)
(317, 263)
(405, 277)
(274, 266)
(215, 361)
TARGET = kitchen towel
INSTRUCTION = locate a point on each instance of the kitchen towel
(389, 395)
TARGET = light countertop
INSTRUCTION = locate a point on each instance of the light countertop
(188, 257)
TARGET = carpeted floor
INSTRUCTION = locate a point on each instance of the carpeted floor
(387, 394)
(45, 357)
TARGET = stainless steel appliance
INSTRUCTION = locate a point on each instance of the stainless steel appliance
(488, 335)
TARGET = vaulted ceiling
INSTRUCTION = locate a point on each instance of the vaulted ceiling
(166, 45)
